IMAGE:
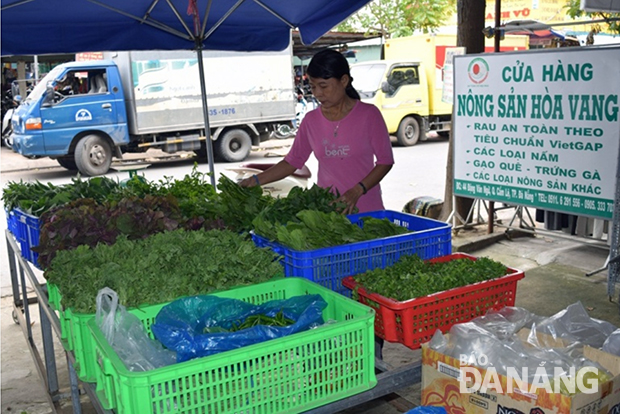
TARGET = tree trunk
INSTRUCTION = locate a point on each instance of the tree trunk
(470, 20)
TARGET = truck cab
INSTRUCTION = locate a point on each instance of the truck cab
(76, 115)
(400, 89)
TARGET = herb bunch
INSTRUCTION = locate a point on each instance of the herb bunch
(411, 277)
(35, 198)
(315, 229)
(160, 268)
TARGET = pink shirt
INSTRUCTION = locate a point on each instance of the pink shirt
(346, 150)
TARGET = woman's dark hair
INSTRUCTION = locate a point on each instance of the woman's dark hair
(329, 63)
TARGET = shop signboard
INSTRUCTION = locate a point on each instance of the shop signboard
(539, 128)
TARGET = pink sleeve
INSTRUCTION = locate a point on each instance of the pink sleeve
(381, 143)
(300, 150)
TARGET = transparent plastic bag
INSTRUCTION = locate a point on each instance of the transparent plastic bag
(197, 326)
(472, 344)
(127, 335)
(612, 343)
(507, 321)
(572, 324)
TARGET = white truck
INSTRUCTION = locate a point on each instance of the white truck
(85, 113)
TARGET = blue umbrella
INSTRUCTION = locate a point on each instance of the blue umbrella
(38, 27)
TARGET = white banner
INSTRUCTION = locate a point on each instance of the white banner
(539, 128)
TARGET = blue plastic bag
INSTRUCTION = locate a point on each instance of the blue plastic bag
(192, 326)
(427, 410)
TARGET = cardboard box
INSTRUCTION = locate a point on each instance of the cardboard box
(440, 387)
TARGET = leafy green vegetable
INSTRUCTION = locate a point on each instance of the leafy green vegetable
(35, 198)
(284, 210)
(85, 222)
(253, 320)
(410, 277)
(160, 268)
(239, 205)
(196, 197)
(314, 230)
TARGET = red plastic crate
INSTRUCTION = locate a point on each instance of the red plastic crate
(413, 322)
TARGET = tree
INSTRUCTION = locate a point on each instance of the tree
(470, 19)
(574, 11)
(397, 18)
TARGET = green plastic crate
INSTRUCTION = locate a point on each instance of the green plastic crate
(285, 375)
(54, 299)
(53, 296)
(74, 335)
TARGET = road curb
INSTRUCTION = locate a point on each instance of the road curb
(467, 244)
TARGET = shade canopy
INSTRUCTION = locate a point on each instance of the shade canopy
(38, 27)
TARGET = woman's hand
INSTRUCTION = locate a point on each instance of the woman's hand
(250, 181)
(350, 198)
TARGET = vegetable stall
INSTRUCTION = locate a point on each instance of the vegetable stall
(155, 242)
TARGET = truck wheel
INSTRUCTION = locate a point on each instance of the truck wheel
(408, 133)
(93, 155)
(68, 163)
(234, 145)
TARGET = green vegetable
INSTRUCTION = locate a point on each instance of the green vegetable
(314, 229)
(86, 222)
(160, 268)
(36, 198)
(254, 320)
(410, 277)
(239, 205)
(196, 197)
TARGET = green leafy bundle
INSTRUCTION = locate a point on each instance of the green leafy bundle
(411, 277)
(238, 206)
(160, 268)
(86, 222)
(35, 198)
(251, 321)
(315, 230)
(285, 209)
(196, 197)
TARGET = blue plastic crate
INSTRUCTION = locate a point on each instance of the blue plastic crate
(11, 222)
(328, 266)
(28, 229)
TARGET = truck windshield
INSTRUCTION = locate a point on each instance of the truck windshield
(40, 88)
(367, 78)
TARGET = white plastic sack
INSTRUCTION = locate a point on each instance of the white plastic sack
(127, 335)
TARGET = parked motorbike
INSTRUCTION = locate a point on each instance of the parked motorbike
(305, 103)
(8, 107)
(300, 178)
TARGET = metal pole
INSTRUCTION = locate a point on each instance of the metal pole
(498, 38)
(205, 111)
(36, 69)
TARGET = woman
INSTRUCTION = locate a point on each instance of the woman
(346, 136)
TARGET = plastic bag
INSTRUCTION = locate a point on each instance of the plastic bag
(573, 324)
(507, 321)
(127, 335)
(612, 343)
(427, 410)
(197, 326)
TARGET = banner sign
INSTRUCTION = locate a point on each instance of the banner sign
(539, 128)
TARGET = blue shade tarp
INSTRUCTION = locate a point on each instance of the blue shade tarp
(39, 27)
(35, 27)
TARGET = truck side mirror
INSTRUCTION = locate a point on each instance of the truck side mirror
(49, 94)
(387, 88)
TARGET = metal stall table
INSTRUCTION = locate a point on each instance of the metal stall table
(389, 380)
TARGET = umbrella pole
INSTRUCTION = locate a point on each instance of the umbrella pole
(205, 112)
